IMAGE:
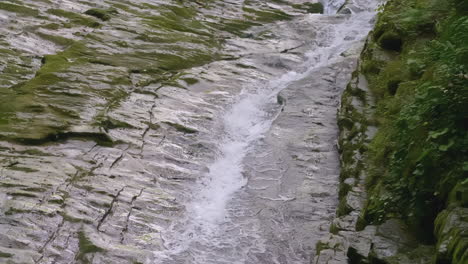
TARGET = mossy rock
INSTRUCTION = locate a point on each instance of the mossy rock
(74, 18)
(371, 66)
(265, 15)
(19, 9)
(59, 40)
(344, 122)
(102, 14)
(311, 8)
(190, 81)
(182, 128)
(110, 123)
(452, 233)
(86, 246)
(5, 255)
(343, 208)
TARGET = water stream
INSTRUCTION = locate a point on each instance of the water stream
(226, 220)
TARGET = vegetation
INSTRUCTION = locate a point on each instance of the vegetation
(74, 18)
(417, 67)
(265, 15)
(310, 7)
(86, 246)
(181, 128)
(19, 9)
(5, 255)
(102, 14)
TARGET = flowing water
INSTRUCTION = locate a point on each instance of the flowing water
(252, 205)
(251, 177)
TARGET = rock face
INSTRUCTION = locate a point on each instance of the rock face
(415, 211)
(349, 241)
(452, 235)
(113, 115)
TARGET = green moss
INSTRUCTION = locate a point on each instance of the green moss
(57, 201)
(450, 229)
(121, 43)
(59, 40)
(34, 189)
(334, 229)
(7, 51)
(5, 255)
(19, 9)
(313, 8)
(63, 60)
(266, 15)
(51, 26)
(371, 66)
(236, 26)
(344, 188)
(86, 247)
(16, 70)
(182, 128)
(10, 185)
(102, 14)
(110, 123)
(22, 194)
(12, 211)
(74, 18)
(416, 158)
(343, 208)
(172, 62)
(27, 98)
(23, 169)
(185, 12)
(124, 7)
(171, 22)
(190, 81)
(320, 246)
(153, 126)
(403, 180)
(244, 66)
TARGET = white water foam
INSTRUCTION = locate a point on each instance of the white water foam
(246, 122)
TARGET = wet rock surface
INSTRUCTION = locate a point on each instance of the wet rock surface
(349, 240)
(110, 118)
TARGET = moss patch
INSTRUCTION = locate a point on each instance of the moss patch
(74, 18)
(313, 8)
(418, 154)
(5, 255)
(12, 211)
(181, 128)
(102, 14)
(190, 81)
(86, 247)
(265, 15)
(27, 98)
(23, 169)
(59, 40)
(19, 9)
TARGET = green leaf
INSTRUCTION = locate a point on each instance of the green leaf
(447, 146)
(465, 167)
(436, 134)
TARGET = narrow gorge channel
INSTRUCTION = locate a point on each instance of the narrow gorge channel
(172, 132)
